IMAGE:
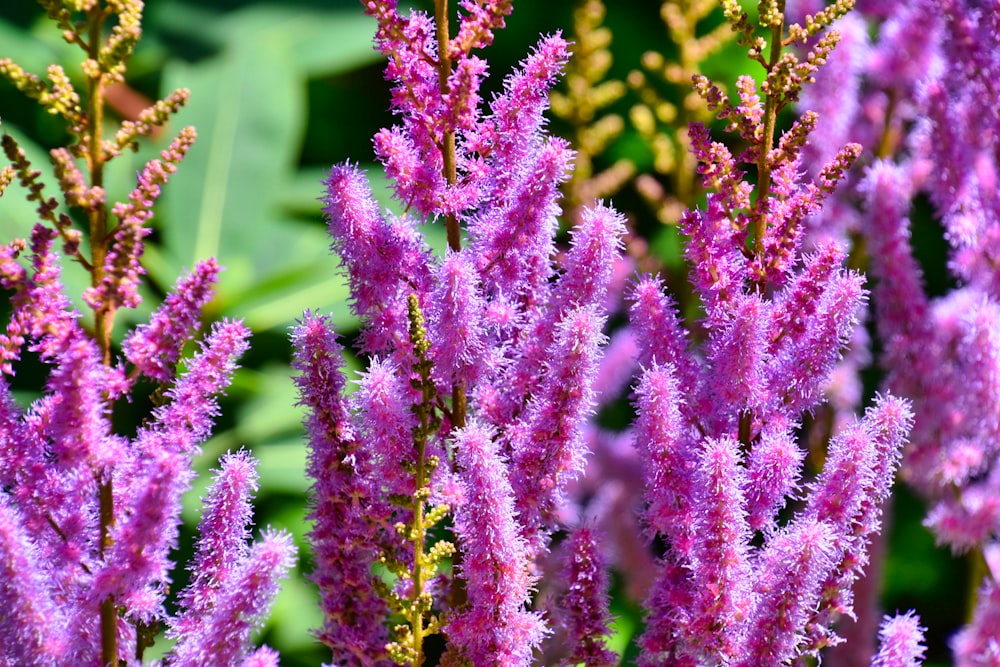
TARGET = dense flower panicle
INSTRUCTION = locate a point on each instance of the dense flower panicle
(587, 277)
(901, 642)
(192, 402)
(344, 502)
(662, 438)
(943, 353)
(805, 363)
(596, 242)
(383, 401)
(458, 321)
(103, 509)
(512, 131)
(975, 645)
(546, 444)
(384, 257)
(224, 530)
(223, 636)
(720, 564)
(787, 587)
(877, 440)
(497, 335)
(78, 423)
(41, 310)
(773, 471)
(662, 336)
(496, 629)
(34, 630)
(265, 656)
(584, 608)
(513, 240)
(738, 355)
(716, 424)
(961, 141)
(143, 541)
(155, 348)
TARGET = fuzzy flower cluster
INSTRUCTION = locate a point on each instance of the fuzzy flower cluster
(717, 423)
(89, 516)
(481, 358)
(482, 362)
(922, 88)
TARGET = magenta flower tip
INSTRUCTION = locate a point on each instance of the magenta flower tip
(901, 642)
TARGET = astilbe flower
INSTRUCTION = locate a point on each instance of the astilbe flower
(232, 584)
(482, 359)
(88, 516)
(745, 578)
(57, 451)
(901, 639)
(586, 616)
(923, 90)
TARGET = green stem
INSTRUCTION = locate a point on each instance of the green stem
(103, 316)
(448, 141)
(767, 142)
(448, 158)
(977, 572)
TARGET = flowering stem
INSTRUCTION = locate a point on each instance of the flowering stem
(977, 572)
(448, 142)
(104, 316)
(95, 161)
(419, 602)
(767, 141)
(458, 398)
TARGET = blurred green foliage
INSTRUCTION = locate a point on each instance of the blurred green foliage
(279, 92)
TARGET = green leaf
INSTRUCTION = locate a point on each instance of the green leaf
(325, 42)
(247, 106)
(25, 49)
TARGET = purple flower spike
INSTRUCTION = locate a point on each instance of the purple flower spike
(513, 241)
(384, 402)
(976, 644)
(901, 642)
(223, 636)
(585, 606)
(143, 541)
(787, 588)
(154, 348)
(516, 120)
(495, 628)
(738, 357)
(33, 631)
(262, 657)
(662, 440)
(193, 403)
(721, 568)
(457, 321)
(385, 258)
(224, 530)
(591, 260)
(773, 469)
(79, 426)
(662, 336)
(547, 445)
(346, 508)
